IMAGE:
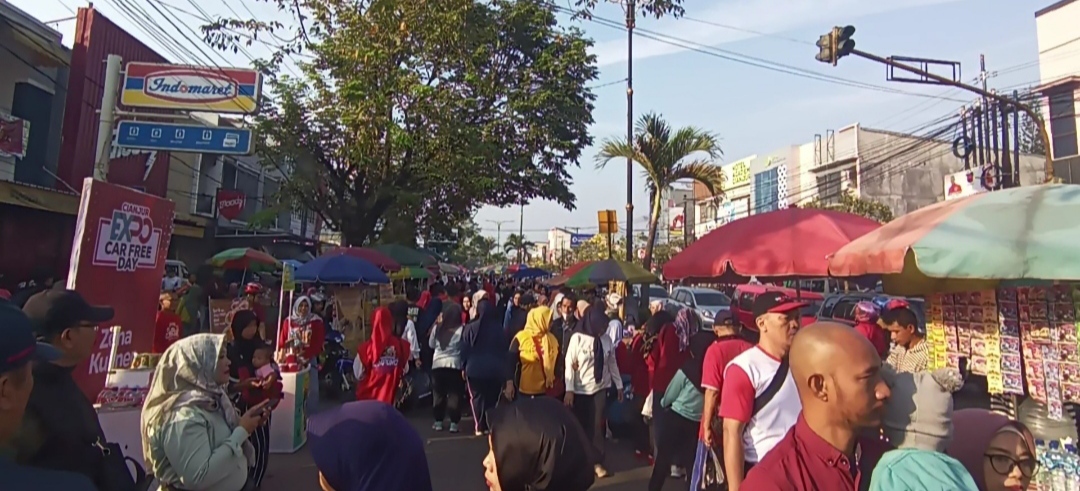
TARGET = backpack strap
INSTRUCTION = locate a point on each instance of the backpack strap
(773, 388)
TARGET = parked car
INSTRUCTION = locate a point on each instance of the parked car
(707, 302)
(743, 304)
(655, 292)
(840, 307)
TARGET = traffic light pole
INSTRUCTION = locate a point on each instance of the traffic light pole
(630, 21)
(971, 88)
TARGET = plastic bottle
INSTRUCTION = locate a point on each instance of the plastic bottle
(1072, 466)
(1041, 479)
(1056, 467)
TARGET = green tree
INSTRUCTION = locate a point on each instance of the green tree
(650, 8)
(666, 155)
(472, 248)
(596, 249)
(402, 119)
(519, 245)
(849, 203)
(1030, 139)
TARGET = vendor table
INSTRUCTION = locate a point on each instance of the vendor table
(121, 426)
(288, 424)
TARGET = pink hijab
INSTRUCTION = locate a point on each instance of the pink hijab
(973, 429)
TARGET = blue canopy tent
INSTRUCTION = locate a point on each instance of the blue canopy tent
(340, 269)
(293, 263)
(527, 273)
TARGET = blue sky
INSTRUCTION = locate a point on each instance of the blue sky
(754, 110)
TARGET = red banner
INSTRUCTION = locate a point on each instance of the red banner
(230, 203)
(118, 259)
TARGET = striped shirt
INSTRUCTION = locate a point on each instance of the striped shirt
(912, 360)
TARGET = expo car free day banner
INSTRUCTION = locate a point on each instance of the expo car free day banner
(118, 259)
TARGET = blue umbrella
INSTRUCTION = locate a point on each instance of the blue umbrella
(340, 269)
(530, 273)
(294, 263)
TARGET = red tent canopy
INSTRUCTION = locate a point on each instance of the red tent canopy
(794, 242)
(384, 262)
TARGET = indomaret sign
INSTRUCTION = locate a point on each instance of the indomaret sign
(192, 88)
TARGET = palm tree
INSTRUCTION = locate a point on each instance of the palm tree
(520, 244)
(666, 155)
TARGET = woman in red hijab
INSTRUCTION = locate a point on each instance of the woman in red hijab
(381, 361)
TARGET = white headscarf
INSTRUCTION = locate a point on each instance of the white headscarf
(186, 376)
(298, 320)
(476, 298)
(555, 306)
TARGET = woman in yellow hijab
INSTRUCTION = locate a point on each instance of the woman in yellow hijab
(533, 352)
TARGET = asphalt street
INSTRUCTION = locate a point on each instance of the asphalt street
(455, 464)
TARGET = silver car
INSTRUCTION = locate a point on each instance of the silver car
(707, 302)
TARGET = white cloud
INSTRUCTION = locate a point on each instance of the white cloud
(771, 16)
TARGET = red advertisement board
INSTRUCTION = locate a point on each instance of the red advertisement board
(118, 259)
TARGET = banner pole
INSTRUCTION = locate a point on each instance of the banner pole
(113, 65)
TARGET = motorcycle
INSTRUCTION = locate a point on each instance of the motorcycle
(336, 367)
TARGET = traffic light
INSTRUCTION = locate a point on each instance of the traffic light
(836, 44)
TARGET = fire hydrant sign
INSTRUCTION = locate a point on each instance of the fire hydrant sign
(118, 259)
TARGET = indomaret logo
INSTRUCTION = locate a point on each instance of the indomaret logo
(127, 240)
(190, 86)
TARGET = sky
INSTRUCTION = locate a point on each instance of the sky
(753, 109)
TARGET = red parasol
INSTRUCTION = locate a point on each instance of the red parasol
(574, 268)
(384, 262)
(794, 242)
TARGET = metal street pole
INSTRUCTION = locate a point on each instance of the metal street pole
(630, 15)
(498, 230)
(521, 232)
(113, 66)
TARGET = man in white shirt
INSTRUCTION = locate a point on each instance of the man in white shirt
(759, 402)
(172, 281)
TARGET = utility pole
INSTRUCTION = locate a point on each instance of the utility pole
(839, 43)
(498, 230)
(630, 21)
(521, 232)
(113, 67)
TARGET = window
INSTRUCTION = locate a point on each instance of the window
(248, 182)
(746, 301)
(829, 187)
(205, 186)
(1063, 124)
(708, 211)
(270, 198)
(767, 190)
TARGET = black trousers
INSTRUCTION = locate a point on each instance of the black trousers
(676, 444)
(447, 391)
(639, 428)
(260, 439)
(483, 396)
(590, 412)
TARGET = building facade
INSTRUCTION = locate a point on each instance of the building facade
(1059, 82)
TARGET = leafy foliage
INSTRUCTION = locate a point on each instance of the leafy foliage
(855, 205)
(645, 8)
(519, 245)
(596, 249)
(1030, 140)
(666, 155)
(404, 118)
(472, 248)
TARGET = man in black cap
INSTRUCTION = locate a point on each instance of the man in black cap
(60, 429)
(18, 350)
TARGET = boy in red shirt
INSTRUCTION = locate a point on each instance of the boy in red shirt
(166, 324)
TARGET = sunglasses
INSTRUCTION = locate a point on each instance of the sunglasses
(1003, 464)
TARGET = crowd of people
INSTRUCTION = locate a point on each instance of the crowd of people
(549, 378)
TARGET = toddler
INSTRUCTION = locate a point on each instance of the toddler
(268, 379)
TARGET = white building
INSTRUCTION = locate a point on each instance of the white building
(1059, 79)
(675, 201)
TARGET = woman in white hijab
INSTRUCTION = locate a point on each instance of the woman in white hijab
(193, 439)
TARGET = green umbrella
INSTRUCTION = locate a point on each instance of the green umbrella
(245, 258)
(406, 256)
(411, 273)
(601, 272)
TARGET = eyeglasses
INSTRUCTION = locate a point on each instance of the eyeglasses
(88, 325)
(1003, 464)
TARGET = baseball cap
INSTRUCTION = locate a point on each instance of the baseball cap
(18, 345)
(775, 302)
(724, 316)
(52, 311)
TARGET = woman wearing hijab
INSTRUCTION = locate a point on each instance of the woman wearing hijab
(591, 369)
(660, 344)
(680, 415)
(381, 361)
(405, 328)
(367, 446)
(243, 342)
(866, 323)
(998, 453)
(533, 354)
(448, 377)
(193, 438)
(305, 328)
(685, 327)
(537, 445)
(483, 349)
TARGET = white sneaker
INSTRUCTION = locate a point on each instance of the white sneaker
(437, 426)
(677, 472)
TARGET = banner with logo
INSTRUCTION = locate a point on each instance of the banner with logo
(118, 259)
(14, 135)
(968, 182)
(676, 221)
(230, 203)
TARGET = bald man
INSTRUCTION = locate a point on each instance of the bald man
(837, 374)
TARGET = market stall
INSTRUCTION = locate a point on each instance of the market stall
(119, 404)
(1000, 276)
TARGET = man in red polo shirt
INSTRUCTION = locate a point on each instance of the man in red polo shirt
(837, 373)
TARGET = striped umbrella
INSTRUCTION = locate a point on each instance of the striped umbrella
(973, 243)
(384, 262)
(601, 272)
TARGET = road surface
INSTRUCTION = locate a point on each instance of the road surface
(455, 464)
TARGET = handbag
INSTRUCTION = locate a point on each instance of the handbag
(712, 476)
(115, 475)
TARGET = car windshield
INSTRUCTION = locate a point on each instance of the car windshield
(810, 310)
(712, 299)
(657, 292)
